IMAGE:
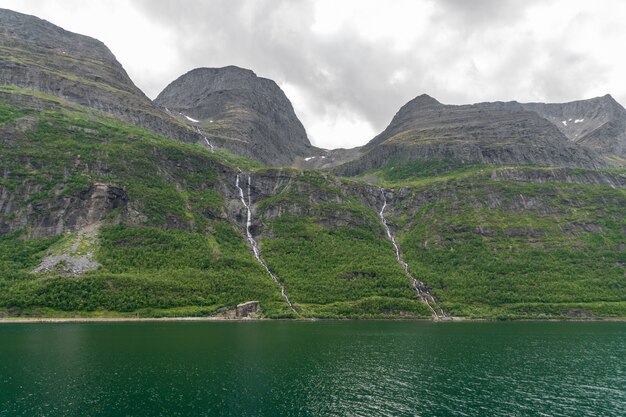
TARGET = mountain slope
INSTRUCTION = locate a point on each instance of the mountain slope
(598, 123)
(38, 55)
(487, 133)
(165, 225)
(99, 216)
(237, 110)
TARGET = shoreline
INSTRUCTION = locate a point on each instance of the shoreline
(40, 320)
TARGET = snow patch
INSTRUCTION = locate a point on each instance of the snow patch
(564, 122)
(309, 158)
(579, 120)
(191, 120)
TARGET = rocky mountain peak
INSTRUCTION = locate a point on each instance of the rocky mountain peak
(598, 123)
(18, 29)
(198, 84)
(240, 111)
(421, 101)
(38, 55)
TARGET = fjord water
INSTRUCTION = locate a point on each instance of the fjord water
(313, 369)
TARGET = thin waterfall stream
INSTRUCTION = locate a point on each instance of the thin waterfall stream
(253, 242)
(205, 139)
(422, 289)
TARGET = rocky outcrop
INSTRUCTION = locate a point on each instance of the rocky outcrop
(239, 111)
(60, 213)
(559, 175)
(247, 309)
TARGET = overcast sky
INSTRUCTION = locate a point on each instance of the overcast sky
(349, 65)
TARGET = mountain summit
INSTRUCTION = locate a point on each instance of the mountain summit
(490, 133)
(240, 111)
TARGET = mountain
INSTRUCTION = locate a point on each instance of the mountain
(249, 115)
(101, 216)
(598, 123)
(487, 133)
(37, 55)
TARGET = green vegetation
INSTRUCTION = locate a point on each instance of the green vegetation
(346, 271)
(393, 171)
(514, 250)
(489, 246)
(183, 260)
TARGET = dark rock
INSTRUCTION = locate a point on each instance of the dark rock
(247, 309)
(237, 110)
(61, 213)
(598, 123)
(490, 133)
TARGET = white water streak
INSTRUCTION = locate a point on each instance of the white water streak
(205, 139)
(253, 242)
(422, 290)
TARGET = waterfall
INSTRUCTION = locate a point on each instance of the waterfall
(422, 290)
(205, 139)
(253, 242)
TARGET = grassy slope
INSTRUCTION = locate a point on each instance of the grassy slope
(512, 249)
(562, 254)
(150, 270)
(333, 256)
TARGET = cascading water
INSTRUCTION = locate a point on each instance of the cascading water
(253, 242)
(422, 290)
(205, 139)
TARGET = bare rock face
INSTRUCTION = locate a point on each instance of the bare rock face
(598, 123)
(490, 133)
(248, 308)
(37, 55)
(237, 110)
(60, 214)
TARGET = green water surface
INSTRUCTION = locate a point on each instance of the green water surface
(313, 369)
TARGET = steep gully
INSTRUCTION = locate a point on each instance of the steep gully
(253, 242)
(422, 289)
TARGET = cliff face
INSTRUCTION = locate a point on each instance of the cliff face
(239, 111)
